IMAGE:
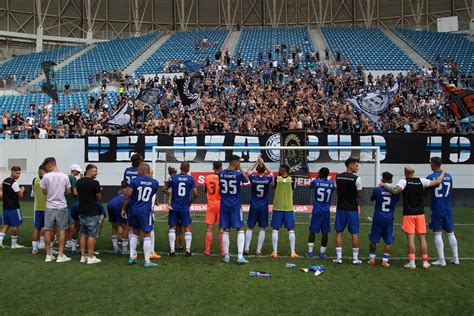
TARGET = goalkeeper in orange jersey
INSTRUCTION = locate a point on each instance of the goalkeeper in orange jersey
(211, 187)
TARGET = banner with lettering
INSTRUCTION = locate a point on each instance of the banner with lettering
(394, 148)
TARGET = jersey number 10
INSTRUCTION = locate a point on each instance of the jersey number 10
(144, 194)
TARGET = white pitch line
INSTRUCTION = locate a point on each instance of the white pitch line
(297, 223)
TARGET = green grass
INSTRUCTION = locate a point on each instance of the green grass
(201, 284)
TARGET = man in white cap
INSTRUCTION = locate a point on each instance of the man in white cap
(70, 199)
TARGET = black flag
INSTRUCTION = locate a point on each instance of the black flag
(296, 159)
(123, 115)
(188, 89)
(49, 86)
(150, 96)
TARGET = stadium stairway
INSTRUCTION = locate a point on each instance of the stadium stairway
(146, 54)
(319, 42)
(231, 42)
(417, 58)
(40, 78)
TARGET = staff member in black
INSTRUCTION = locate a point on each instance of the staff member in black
(349, 190)
(413, 211)
(89, 193)
(12, 193)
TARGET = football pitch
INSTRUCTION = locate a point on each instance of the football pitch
(199, 284)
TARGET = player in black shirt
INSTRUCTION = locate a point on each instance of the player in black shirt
(349, 190)
(413, 211)
(11, 194)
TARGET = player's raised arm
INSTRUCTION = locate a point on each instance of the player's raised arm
(438, 180)
(397, 189)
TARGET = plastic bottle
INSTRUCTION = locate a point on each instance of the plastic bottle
(291, 265)
(259, 274)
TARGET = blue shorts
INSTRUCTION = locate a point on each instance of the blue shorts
(12, 218)
(176, 218)
(441, 222)
(257, 215)
(349, 218)
(233, 219)
(74, 215)
(280, 218)
(89, 226)
(39, 219)
(320, 222)
(115, 216)
(382, 229)
(142, 221)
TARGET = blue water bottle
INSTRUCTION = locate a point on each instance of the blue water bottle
(259, 274)
(291, 265)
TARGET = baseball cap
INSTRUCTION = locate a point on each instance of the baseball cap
(75, 167)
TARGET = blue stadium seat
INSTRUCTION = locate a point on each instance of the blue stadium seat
(180, 46)
(367, 46)
(450, 45)
(255, 40)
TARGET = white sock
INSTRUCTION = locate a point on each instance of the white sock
(172, 239)
(240, 243)
(261, 240)
(438, 239)
(14, 239)
(73, 244)
(51, 245)
(2, 235)
(124, 244)
(372, 255)
(355, 253)
(275, 240)
(248, 238)
(188, 237)
(41, 240)
(226, 242)
(310, 246)
(152, 238)
(115, 241)
(453, 243)
(34, 244)
(147, 248)
(339, 253)
(133, 245)
(291, 237)
(322, 249)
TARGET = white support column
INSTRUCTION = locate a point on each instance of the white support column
(39, 29)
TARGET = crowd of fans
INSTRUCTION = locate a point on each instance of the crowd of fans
(300, 92)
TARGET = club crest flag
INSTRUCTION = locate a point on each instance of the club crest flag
(296, 159)
(373, 104)
(123, 115)
(188, 89)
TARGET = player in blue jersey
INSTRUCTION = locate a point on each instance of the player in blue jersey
(114, 208)
(321, 217)
(132, 172)
(258, 204)
(442, 214)
(140, 195)
(382, 222)
(230, 186)
(183, 194)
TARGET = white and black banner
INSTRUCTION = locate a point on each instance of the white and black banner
(394, 148)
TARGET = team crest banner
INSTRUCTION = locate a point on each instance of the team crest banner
(296, 159)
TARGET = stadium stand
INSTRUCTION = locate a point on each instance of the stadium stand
(183, 46)
(28, 67)
(367, 46)
(116, 54)
(255, 41)
(429, 44)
